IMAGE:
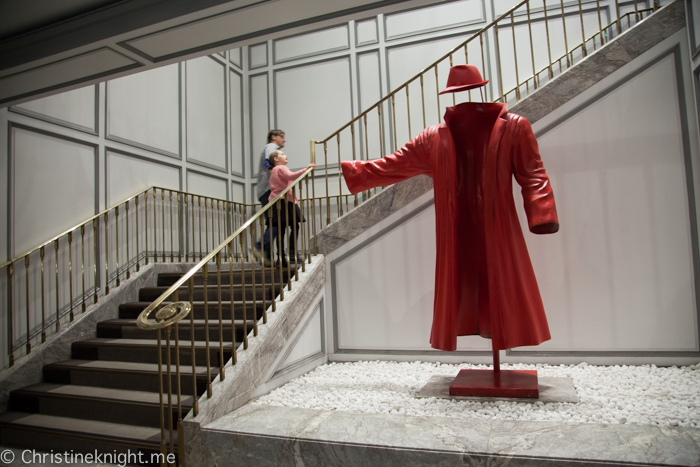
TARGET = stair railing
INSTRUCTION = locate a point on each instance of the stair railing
(524, 44)
(48, 285)
(180, 301)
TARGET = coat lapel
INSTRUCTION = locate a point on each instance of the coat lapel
(491, 163)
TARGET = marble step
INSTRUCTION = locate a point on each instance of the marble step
(127, 329)
(48, 433)
(94, 403)
(126, 375)
(252, 309)
(146, 351)
(279, 276)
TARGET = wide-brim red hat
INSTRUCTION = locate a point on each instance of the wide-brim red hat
(463, 78)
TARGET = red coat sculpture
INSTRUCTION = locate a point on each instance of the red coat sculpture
(484, 281)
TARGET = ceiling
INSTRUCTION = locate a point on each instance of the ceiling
(50, 46)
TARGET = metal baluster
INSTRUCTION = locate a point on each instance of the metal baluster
(583, 33)
(205, 278)
(532, 47)
(181, 226)
(408, 112)
(483, 61)
(155, 226)
(617, 17)
(566, 40)
(172, 255)
(94, 256)
(145, 221)
(70, 275)
(10, 336)
(138, 234)
(437, 92)
(163, 446)
(244, 303)
(515, 57)
(162, 210)
(499, 68)
(234, 356)
(222, 362)
(454, 101)
(128, 257)
(195, 395)
(106, 220)
(199, 212)
(82, 267)
(393, 120)
(325, 159)
(352, 135)
(340, 172)
(422, 99)
(549, 46)
(43, 304)
(116, 238)
(58, 309)
(26, 277)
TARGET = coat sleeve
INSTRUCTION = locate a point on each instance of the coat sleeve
(536, 188)
(411, 160)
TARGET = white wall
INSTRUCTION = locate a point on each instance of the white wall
(618, 280)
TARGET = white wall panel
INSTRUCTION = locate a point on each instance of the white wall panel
(238, 192)
(234, 56)
(447, 15)
(385, 291)
(259, 119)
(75, 109)
(144, 109)
(205, 185)
(257, 56)
(370, 86)
(619, 276)
(542, 38)
(309, 342)
(366, 32)
(128, 175)
(54, 186)
(695, 23)
(315, 43)
(406, 61)
(311, 102)
(206, 112)
(236, 122)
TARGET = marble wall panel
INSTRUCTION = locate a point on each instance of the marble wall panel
(310, 44)
(435, 17)
(619, 274)
(74, 109)
(143, 109)
(206, 112)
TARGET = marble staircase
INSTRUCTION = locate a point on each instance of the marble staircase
(105, 398)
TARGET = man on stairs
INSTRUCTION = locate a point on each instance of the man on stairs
(275, 141)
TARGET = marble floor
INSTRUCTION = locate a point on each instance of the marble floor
(259, 435)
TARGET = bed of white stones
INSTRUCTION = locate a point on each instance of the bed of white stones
(648, 395)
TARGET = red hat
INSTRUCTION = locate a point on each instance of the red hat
(462, 78)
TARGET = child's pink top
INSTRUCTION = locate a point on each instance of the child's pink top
(280, 178)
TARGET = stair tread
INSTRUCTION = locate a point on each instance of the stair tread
(98, 393)
(132, 367)
(184, 322)
(93, 428)
(113, 341)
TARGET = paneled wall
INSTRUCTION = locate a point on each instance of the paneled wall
(71, 155)
(620, 279)
(200, 125)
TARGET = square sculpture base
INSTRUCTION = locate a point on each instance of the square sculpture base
(489, 383)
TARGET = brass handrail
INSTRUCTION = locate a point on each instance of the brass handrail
(193, 270)
(100, 214)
